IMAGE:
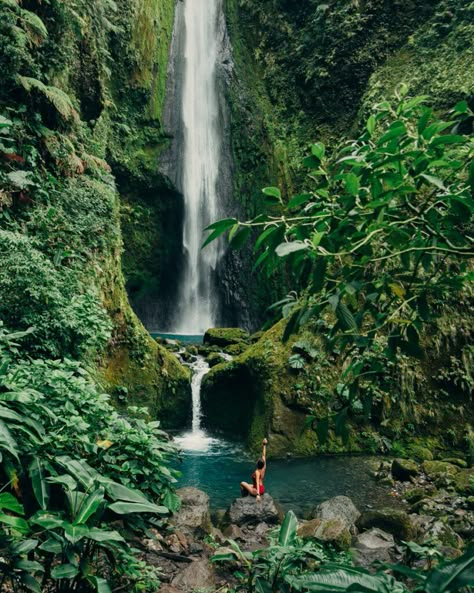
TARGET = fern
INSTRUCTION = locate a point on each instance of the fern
(34, 25)
(58, 98)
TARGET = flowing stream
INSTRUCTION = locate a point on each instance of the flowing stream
(201, 153)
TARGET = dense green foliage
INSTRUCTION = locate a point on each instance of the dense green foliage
(71, 468)
(290, 564)
(380, 244)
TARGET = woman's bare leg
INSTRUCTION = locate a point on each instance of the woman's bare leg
(247, 489)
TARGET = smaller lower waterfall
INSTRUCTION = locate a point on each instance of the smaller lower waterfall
(196, 439)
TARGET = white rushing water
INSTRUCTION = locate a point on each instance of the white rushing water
(197, 303)
(196, 439)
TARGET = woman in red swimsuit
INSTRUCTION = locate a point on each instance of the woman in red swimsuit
(256, 488)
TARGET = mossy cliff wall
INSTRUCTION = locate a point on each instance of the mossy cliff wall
(81, 100)
(416, 404)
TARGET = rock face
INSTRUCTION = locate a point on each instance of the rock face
(427, 529)
(333, 531)
(247, 511)
(339, 507)
(225, 336)
(373, 545)
(404, 469)
(193, 518)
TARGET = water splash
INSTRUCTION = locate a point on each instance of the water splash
(198, 302)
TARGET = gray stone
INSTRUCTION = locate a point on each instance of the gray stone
(193, 518)
(339, 507)
(373, 545)
(197, 575)
(248, 510)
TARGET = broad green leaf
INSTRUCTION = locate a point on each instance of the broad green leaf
(352, 184)
(100, 585)
(448, 139)
(101, 535)
(264, 236)
(452, 576)
(9, 503)
(222, 225)
(29, 566)
(272, 192)
(124, 493)
(434, 181)
(7, 441)
(396, 130)
(336, 579)
(285, 249)
(371, 123)
(17, 523)
(74, 533)
(29, 582)
(39, 483)
(64, 571)
(126, 508)
(89, 506)
(288, 529)
(318, 150)
(299, 200)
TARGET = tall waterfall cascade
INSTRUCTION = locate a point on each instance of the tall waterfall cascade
(201, 152)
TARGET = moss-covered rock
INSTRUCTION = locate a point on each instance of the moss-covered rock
(438, 469)
(213, 359)
(225, 336)
(404, 469)
(464, 481)
(393, 521)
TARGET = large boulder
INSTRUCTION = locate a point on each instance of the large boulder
(333, 531)
(374, 545)
(225, 336)
(404, 469)
(393, 521)
(339, 507)
(193, 518)
(247, 510)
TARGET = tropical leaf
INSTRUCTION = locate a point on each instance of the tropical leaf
(288, 529)
(89, 506)
(39, 483)
(452, 576)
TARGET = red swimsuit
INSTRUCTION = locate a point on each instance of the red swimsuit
(254, 480)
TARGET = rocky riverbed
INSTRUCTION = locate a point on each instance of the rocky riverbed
(436, 509)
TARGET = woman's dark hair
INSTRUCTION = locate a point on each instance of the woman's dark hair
(260, 464)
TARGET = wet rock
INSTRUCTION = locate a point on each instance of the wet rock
(415, 494)
(193, 518)
(244, 511)
(218, 536)
(339, 507)
(428, 529)
(374, 545)
(195, 576)
(463, 481)
(439, 469)
(225, 336)
(393, 521)
(404, 469)
(214, 358)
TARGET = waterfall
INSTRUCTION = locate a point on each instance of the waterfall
(196, 439)
(201, 152)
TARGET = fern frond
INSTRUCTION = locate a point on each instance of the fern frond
(34, 24)
(13, 4)
(58, 98)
